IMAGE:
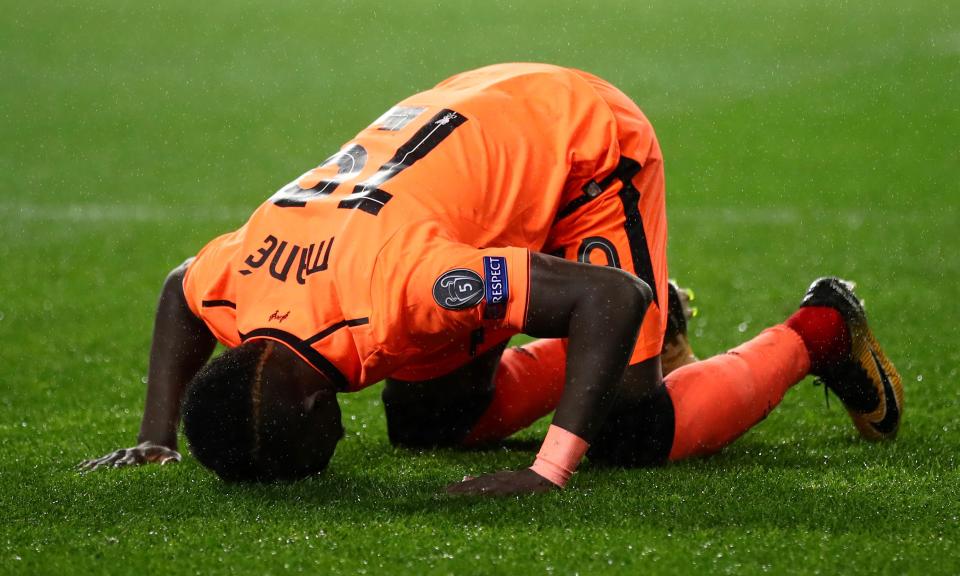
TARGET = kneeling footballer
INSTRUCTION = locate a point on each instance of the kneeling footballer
(517, 198)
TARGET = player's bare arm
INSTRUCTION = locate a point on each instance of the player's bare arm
(599, 309)
(181, 345)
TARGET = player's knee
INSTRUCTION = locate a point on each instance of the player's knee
(405, 433)
(409, 423)
(636, 433)
(419, 416)
(403, 436)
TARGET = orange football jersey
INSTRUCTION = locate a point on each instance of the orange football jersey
(408, 249)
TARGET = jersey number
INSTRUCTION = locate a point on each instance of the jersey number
(368, 195)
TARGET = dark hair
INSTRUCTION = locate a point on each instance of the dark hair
(231, 430)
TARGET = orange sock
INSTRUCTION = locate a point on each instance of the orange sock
(716, 400)
(529, 382)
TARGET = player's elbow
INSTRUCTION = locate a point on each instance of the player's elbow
(642, 295)
(175, 277)
(172, 298)
(628, 296)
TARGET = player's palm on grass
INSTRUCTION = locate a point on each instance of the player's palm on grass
(504, 483)
(143, 453)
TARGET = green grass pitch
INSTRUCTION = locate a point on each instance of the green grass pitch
(801, 139)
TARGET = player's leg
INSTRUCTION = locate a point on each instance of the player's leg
(528, 384)
(717, 400)
(500, 392)
(529, 379)
(441, 411)
(713, 402)
(702, 406)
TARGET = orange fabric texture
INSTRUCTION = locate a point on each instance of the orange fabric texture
(447, 191)
(718, 399)
(528, 385)
(633, 220)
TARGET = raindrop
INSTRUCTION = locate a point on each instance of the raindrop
(742, 327)
(919, 377)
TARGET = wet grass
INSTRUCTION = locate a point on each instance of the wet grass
(801, 139)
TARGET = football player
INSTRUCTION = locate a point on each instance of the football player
(517, 198)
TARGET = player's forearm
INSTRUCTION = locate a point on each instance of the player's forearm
(602, 332)
(600, 310)
(181, 345)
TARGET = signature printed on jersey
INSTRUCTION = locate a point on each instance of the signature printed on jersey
(282, 255)
(278, 316)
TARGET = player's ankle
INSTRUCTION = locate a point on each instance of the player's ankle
(824, 333)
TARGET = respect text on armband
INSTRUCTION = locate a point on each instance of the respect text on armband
(497, 287)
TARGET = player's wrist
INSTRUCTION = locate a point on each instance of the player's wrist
(559, 456)
(167, 440)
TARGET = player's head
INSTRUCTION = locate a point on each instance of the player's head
(259, 413)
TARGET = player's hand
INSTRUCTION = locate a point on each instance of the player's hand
(143, 453)
(506, 483)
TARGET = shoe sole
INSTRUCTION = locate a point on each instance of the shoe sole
(884, 422)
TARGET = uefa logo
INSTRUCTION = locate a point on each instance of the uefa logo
(458, 289)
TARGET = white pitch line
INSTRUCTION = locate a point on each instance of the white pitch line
(98, 213)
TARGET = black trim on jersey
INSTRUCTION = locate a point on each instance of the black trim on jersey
(334, 327)
(312, 356)
(349, 163)
(572, 206)
(367, 195)
(526, 300)
(218, 304)
(633, 224)
(626, 169)
(588, 245)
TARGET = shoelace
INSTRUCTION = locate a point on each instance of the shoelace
(826, 391)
